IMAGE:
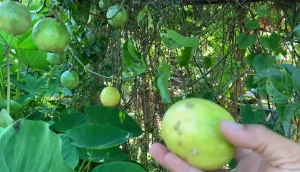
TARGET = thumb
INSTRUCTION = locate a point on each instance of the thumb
(259, 139)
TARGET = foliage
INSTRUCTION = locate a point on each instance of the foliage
(244, 56)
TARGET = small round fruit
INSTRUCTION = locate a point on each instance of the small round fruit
(110, 96)
(116, 16)
(190, 129)
(50, 35)
(56, 58)
(15, 18)
(104, 4)
(69, 79)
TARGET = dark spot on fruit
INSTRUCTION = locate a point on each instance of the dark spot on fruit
(179, 132)
(179, 143)
(189, 105)
(177, 125)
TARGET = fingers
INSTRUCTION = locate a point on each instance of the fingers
(169, 160)
(271, 146)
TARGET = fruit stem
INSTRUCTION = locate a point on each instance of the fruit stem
(8, 80)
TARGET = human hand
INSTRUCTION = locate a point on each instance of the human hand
(258, 150)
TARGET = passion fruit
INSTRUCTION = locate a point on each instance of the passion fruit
(117, 16)
(104, 4)
(50, 35)
(56, 58)
(15, 18)
(69, 79)
(190, 129)
(110, 96)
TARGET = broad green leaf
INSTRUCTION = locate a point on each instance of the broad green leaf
(142, 14)
(245, 40)
(252, 24)
(287, 83)
(274, 73)
(261, 12)
(36, 59)
(25, 41)
(68, 119)
(291, 110)
(272, 42)
(275, 89)
(5, 119)
(114, 118)
(184, 41)
(280, 110)
(14, 106)
(133, 58)
(289, 68)
(252, 116)
(169, 42)
(249, 59)
(185, 56)
(32, 84)
(103, 156)
(31, 146)
(161, 81)
(70, 153)
(297, 28)
(296, 79)
(249, 82)
(261, 62)
(119, 167)
(97, 137)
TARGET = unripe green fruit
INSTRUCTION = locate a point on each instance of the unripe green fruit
(117, 16)
(56, 58)
(104, 4)
(50, 35)
(191, 129)
(69, 79)
(15, 18)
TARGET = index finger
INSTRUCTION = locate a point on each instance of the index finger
(169, 160)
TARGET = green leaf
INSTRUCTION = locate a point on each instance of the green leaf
(287, 84)
(5, 119)
(184, 41)
(249, 82)
(185, 56)
(274, 73)
(272, 42)
(69, 151)
(114, 118)
(275, 89)
(142, 14)
(280, 111)
(252, 24)
(68, 119)
(261, 12)
(292, 110)
(245, 40)
(249, 59)
(161, 81)
(103, 156)
(25, 41)
(36, 59)
(289, 68)
(31, 147)
(133, 58)
(261, 62)
(296, 79)
(169, 42)
(14, 106)
(32, 84)
(119, 167)
(97, 137)
(250, 116)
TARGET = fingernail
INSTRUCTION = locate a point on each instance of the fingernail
(232, 125)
